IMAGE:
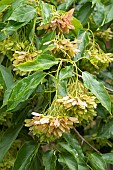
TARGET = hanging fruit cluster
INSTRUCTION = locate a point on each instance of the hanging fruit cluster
(50, 127)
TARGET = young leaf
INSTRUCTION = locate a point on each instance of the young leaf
(22, 90)
(23, 14)
(97, 89)
(8, 138)
(42, 62)
(97, 161)
(49, 160)
(25, 155)
(6, 76)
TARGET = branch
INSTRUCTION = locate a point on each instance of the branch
(110, 90)
(84, 140)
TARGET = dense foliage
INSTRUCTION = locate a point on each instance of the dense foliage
(56, 84)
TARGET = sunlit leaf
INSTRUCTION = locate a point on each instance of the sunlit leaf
(23, 14)
(42, 62)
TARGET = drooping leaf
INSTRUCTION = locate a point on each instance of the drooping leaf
(68, 160)
(96, 161)
(49, 160)
(22, 90)
(25, 155)
(97, 88)
(42, 62)
(6, 76)
(23, 14)
(8, 138)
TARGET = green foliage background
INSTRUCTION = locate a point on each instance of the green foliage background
(56, 84)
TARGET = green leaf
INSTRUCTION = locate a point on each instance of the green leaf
(35, 163)
(77, 24)
(68, 160)
(32, 30)
(84, 12)
(66, 72)
(97, 89)
(6, 76)
(22, 90)
(99, 14)
(10, 28)
(108, 158)
(109, 13)
(84, 38)
(74, 144)
(42, 62)
(5, 2)
(62, 88)
(97, 161)
(47, 37)
(46, 12)
(8, 138)
(25, 155)
(66, 5)
(49, 160)
(23, 14)
(3, 8)
(107, 130)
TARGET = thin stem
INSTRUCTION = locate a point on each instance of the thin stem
(110, 90)
(57, 78)
(84, 140)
